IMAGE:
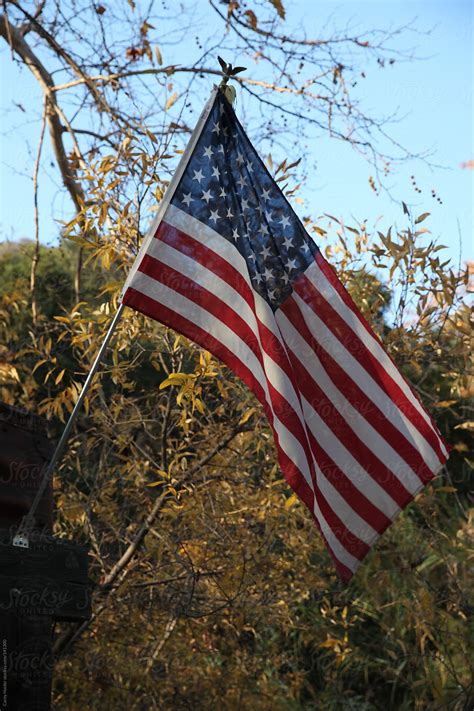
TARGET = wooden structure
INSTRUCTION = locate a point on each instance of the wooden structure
(39, 585)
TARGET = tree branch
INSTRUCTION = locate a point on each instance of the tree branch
(53, 113)
(36, 253)
(60, 51)
(107, 583)
(56, 129)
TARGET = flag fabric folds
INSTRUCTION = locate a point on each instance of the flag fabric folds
(231, 267)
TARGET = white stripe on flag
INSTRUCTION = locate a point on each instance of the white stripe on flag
(329, 293)
(347, 464)
(341, 553)
(220, 331)
(359, 375)
(354, 419)
(218, 287)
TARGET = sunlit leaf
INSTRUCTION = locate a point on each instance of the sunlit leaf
(421, 218)
(172, 99)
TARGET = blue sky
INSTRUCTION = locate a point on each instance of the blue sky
(433, 96)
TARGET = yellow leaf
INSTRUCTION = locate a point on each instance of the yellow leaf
(60, 377)
(291, 501)
(330, 644)
(103, 213)
(38, 364)
(8, 372)
(223, 392)
(469, 425)
(159, 58)
(199, 405)
(247, 415)
(159, 481)
(181, 377)
(171, 101)
(174, 379)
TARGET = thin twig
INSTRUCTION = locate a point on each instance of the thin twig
(36, 253)
(171, 624)
(119, 571)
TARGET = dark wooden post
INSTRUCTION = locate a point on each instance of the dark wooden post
(41, 584)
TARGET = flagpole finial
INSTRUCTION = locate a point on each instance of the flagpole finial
(228, 72)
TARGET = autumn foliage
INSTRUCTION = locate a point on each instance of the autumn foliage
(231, 600)
(212, 587)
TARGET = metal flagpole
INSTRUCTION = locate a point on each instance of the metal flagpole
(21, 538)
(171, 189)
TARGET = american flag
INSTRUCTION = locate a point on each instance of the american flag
(230, 266)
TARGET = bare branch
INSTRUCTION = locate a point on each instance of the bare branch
(116, 575)
(56, 128)
(54, 115)
(36, 253)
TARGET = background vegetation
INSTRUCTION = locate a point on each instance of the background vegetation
(212, 589)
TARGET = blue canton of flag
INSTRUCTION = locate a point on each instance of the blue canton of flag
(227, 186)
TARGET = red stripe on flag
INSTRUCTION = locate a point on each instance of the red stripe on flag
(293, 475)
(217, 307)
(374, 467)
(357, 397)
(356, 347)
(332, 277)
